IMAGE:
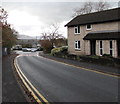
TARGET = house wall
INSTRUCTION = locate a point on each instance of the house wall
(85, 44)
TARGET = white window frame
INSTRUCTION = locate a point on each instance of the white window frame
(111, 49)
(101, 48)
(76, 42)
(88, 28)
(76, 27)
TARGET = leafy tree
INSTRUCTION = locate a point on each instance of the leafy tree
(8, 34)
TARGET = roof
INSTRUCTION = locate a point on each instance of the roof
(96, 17)
(103, 35)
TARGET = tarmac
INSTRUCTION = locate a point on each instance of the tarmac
(92, 66)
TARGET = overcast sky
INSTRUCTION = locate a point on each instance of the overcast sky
(32, 17)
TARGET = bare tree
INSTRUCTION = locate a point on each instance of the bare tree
(89, 7)
(49, 38)
(44, 36)
(52, 34)
(100, 6)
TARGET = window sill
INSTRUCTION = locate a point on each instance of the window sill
(77, 49)
(88, 29)
(76, 33)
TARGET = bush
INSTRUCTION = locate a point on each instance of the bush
(47, 49)
(94, 57)
(61, 51)
(40, 49)
(72, 56)
(107, 56)
(64, 49)
(55, 50)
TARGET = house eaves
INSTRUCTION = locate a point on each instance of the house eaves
(96, 17)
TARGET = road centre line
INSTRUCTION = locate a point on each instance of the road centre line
(33, 94)
(95, 71)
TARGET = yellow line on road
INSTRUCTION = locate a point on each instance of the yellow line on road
(91, 70)
(96, 71)
(30, 90)
(34, 88)
(37, 92)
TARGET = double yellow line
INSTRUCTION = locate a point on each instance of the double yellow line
(29, 85)
(35, 93)
(83, 68)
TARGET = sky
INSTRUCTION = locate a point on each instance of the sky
(33, 17)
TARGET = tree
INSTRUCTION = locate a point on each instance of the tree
(8, 34)
(3, 15)
(61, 42)
(89, 7)
(54, 34)
(46, 45)
(100, 6)
(3, 18)
(48, 39)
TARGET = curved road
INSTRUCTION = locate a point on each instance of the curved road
(58, 82)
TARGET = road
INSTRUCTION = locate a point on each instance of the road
(59, 82)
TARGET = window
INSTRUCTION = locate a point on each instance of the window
(88, 27)
(77, 45)
(77, 29)
(111, 48)
(101, 48)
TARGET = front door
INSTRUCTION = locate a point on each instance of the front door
(118, 47)
(93, 47)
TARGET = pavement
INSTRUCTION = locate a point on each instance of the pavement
(96, 67)
(59, 82)
(11, 91)
(0, 73)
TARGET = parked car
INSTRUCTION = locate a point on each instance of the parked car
(34, 49)
(26, 49)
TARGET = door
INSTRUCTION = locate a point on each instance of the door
(118, 47)
(93, 47)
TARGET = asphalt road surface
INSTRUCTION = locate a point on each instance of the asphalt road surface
(58, 82)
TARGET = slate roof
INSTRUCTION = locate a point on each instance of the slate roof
(96, 17)
(103, 35)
